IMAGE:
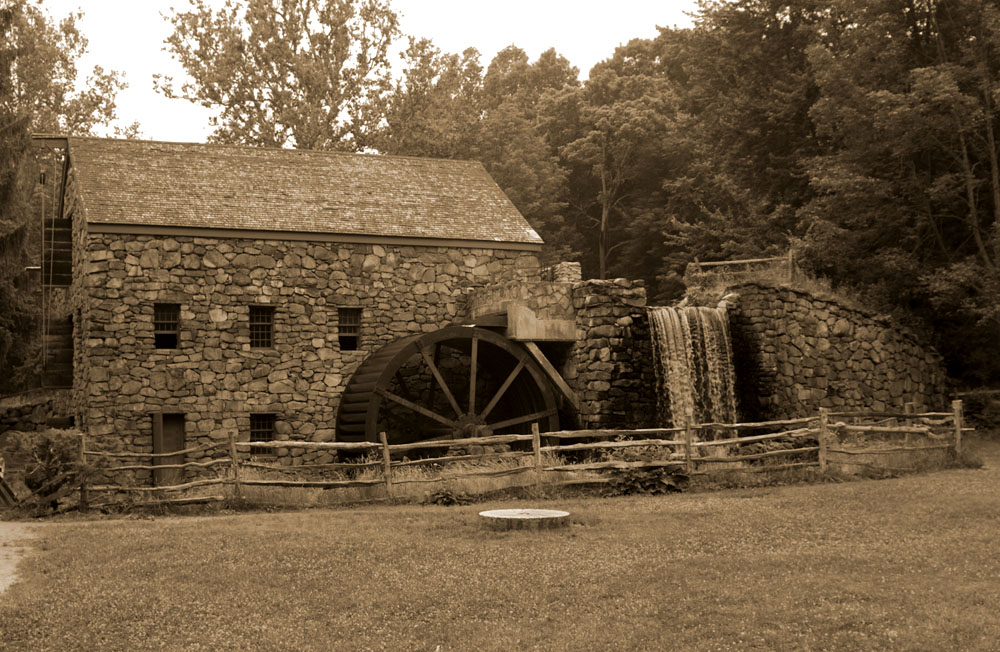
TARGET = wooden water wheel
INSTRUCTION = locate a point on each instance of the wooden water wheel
(457, 382)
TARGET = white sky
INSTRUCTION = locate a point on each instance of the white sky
(127, 35)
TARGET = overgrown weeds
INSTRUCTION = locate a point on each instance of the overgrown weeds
(53, 469)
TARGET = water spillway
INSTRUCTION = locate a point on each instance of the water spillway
(693, 361)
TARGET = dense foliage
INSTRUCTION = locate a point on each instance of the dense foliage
(38, 94)
(861, 134)
(286, 72)
(17, 314)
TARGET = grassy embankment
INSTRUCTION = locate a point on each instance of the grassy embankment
(910, 563)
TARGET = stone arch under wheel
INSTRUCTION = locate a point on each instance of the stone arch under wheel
(459, 381)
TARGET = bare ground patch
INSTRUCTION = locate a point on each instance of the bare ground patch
(14, 540)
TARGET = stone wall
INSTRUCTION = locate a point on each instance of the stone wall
(546, 299)
(610, 364)
(78, 296)
(214, 377)
(796, 353)
(34, 410)
(535, 311)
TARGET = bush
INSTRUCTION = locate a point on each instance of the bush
(648, 481)
(445, 496)
(53, 469)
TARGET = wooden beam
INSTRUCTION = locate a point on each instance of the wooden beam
(503, 389)
(553, 374)
(419, 409)
(522, 419)
(490, 321)
(440, 381)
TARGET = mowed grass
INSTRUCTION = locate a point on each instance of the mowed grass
(904, 564)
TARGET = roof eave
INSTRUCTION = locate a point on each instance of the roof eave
(302, 236)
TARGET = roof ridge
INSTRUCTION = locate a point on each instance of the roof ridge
(236, 146)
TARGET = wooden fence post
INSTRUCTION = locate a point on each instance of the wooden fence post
(908, 408)
(84, 499)
(689, 441)
(235, 461)
(824, 434)
(956, 408)
(387, 463)
(536, 445)
(791, 266)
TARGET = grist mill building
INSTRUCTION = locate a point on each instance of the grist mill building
(220, 287)
(280, 295)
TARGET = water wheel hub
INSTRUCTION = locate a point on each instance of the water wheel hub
(472, 425)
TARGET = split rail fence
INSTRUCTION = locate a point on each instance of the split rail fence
(830, 438)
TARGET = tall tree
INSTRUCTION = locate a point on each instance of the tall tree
(614, 136)
(38, 93)
(445, 105)
(308, 73)
(908, 194)
(745, 88)
(435, 107)
(43, 81)
(17, 315)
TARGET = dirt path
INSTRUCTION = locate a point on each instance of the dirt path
(13, 537)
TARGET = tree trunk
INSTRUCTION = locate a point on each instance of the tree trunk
(970, 192)
(602, 240)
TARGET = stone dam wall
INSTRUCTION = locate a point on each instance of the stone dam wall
(795, 353)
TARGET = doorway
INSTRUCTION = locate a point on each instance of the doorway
(168, 436)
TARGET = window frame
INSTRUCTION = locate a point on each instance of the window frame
(350, 340)
(261, 322)
(161, 309)
(256, 432)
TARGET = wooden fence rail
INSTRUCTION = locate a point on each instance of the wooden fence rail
(811, 441)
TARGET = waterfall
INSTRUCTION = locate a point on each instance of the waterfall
(693, 360)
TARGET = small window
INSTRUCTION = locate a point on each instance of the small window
(261, 429)
(349, 328)
(261, 327)
(166, 324)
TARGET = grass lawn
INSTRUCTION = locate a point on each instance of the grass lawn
(904, 564)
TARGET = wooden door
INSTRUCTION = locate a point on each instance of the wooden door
(168, 436)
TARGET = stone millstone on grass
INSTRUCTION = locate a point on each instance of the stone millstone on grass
(524, 519)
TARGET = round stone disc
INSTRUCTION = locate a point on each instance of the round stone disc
(524, 519)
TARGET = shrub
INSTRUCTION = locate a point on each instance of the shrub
(648, 481)
(445, 496)
(53, 469)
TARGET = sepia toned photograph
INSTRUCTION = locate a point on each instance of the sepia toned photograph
(445, 325)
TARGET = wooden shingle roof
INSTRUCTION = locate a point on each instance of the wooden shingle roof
(157, 184)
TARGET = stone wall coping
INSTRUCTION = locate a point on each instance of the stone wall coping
(882, 319)
(619, 283)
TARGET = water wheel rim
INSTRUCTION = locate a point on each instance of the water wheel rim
(388, 360)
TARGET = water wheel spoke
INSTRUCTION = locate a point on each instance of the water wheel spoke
(472, 375)
(432, 390)
(440, 381)
(419, 409)
(392, 387)
(503, 389)
(403, 388)
(522, 419)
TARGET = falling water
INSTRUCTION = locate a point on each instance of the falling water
(693, 360)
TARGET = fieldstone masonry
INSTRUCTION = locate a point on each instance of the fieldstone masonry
(796, 353)
(214, 377)
(610, 364)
